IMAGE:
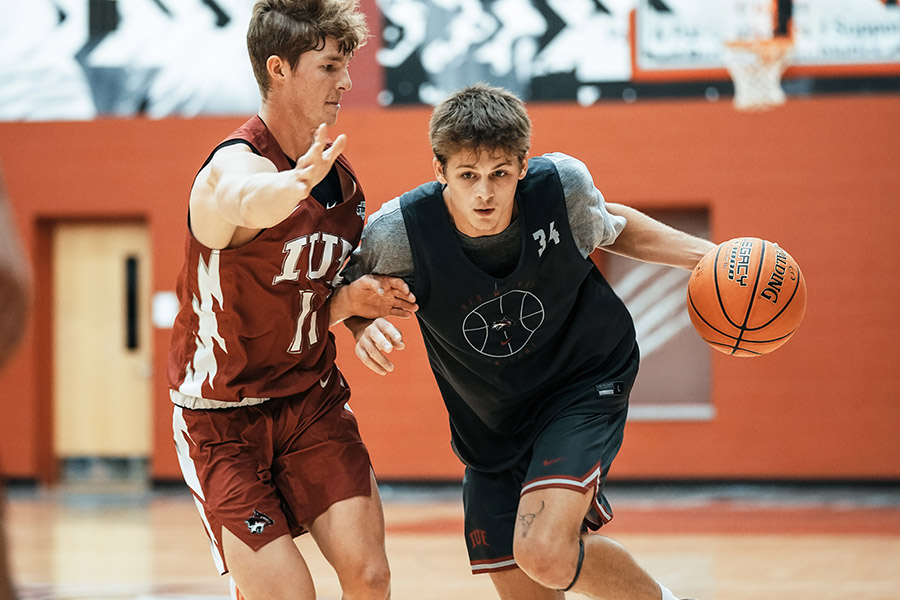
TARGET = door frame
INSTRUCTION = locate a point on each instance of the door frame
(48, 472)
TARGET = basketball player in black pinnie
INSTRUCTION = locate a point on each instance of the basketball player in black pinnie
(533, 352)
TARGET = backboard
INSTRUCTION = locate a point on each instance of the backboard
(678, 40)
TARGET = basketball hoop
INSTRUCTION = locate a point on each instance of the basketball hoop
(756, 67)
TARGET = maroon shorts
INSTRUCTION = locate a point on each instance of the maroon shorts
(268, 470)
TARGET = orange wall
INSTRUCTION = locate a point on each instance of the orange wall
(818, 175)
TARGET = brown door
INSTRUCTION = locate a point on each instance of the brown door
(101, 345)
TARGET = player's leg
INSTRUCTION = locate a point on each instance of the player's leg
(251, 536)
(514, 584)
(6, 581)
(490, 501)
(325, 477)
(275, 571)
(562, 496)
(547, 547)
(350, 535)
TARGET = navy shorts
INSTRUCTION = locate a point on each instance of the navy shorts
(574, 451)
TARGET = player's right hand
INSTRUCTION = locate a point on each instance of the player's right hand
(375, 342)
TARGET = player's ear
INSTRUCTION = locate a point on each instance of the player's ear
(438, 170)
(524, 169)
(276, 68)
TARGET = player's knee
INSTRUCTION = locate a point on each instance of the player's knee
(371, 581)
(549, 560)
(378, 580)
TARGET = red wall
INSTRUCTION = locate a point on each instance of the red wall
(818, 175)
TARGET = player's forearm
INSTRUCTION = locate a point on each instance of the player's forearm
(341, 307)
(648, 240)
(259, 200)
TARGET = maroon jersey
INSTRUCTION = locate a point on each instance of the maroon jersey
(253, 323)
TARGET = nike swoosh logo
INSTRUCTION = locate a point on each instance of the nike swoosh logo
(324, 382)
(547, 463)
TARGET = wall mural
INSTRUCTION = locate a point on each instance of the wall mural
(539, 49)
(77, 59)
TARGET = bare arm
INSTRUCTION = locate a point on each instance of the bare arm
(238, 192)
(14, 285)
(372, 296)
(648, 240)
(375, 336)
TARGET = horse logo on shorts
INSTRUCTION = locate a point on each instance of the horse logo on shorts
(258, 522)
(501, 327)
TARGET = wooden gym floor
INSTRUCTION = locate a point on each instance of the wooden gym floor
(711, 542)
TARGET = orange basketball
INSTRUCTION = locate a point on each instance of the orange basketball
(746, 297)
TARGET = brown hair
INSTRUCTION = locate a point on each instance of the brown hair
(288, 28)
(480, 117)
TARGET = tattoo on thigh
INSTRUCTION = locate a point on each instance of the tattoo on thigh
(527, 519)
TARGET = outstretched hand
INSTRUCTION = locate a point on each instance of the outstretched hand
(373, 296)
(313, 166)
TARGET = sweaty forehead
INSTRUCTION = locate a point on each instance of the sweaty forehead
(481, 157)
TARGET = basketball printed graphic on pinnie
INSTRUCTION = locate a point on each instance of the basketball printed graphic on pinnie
(502, 326)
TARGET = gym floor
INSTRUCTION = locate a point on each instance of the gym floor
(779, 541)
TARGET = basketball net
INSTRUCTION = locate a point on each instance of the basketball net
(756, 67)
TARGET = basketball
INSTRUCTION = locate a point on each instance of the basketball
(746, 297)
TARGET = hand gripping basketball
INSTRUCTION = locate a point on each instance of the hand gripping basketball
(746, 297)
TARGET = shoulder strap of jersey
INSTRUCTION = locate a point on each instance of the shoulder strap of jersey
(257, 136)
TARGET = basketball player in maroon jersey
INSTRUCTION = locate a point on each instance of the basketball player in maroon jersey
(264, 436)
(13, 306)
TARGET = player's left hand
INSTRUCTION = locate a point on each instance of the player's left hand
(373, 296)
(375, 342)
